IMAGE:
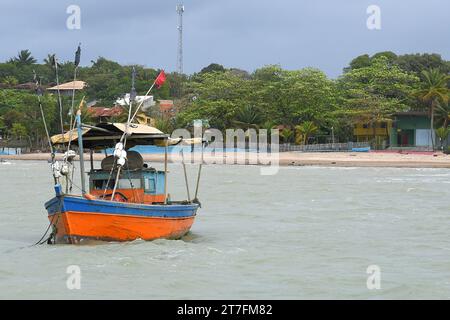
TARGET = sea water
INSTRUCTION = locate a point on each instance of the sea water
(307, 232)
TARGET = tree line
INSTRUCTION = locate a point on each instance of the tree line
(301, 103)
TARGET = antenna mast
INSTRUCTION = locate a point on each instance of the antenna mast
(180, 11)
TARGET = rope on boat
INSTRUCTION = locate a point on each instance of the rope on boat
(185, 175)
(123, 140)
(131, 183)
(77, 62)
(45, 233)
(198, 177)
(55, 62)
(39, 94)
(53, 233)
(76, 186)
(109, 177)
(119, 152)
(72, 118)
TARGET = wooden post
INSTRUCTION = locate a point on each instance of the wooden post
(198, 177)
(185, 177)
(92, 159)
(80, 151)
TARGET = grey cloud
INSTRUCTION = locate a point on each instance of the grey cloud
(237, 33)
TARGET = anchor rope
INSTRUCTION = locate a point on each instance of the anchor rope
(40, 242)
(45, 233)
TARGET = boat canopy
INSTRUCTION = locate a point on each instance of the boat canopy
(106, 135)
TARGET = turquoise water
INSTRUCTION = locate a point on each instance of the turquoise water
(307, 232)
(8, 151)
(186, 149)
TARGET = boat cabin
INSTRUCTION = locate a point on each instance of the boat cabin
(137, 182)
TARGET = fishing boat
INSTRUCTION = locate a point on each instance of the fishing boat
(126, 199)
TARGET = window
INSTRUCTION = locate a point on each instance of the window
(101, 184)
(150, 185)
(123, 184)
(129, 184)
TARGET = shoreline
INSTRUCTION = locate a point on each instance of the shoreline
(324, 159)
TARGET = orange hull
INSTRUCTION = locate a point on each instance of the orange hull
(72, 226)
(134, 196)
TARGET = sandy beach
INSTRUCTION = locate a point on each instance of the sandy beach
(329, 159)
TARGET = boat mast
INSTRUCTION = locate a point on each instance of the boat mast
(81, 151)
(165, 171)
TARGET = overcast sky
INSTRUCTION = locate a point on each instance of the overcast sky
(245, 34)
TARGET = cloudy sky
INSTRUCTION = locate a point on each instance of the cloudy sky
(245, 34)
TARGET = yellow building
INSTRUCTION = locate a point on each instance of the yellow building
(375, 132)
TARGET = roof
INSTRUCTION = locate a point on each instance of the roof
(105, 112)
(106, 135)
(73, 85)
(166, 103)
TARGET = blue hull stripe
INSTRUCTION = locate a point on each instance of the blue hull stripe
(78, 204)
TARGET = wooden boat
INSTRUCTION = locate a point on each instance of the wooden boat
(126, 199)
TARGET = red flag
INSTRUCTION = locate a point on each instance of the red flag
(160, 79)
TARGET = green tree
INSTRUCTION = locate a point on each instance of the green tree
(24, 57)
(269, 74)
(443, 114)
(287, 135)
(364, 61)
(18, 131)
(215, 97)
(292, 97)
(361, 61)
(416, 63)
(433, 89)
(375, 92)
(305, 131)
(19, 107)
(248, 117)
(10, 81)
(50, 60)
(389, 55)
(164, 125)
(442, 133)
(213, 67)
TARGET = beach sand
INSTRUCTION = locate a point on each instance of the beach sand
(330, 159)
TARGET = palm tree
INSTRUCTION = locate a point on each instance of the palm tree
(248, 117)
(443, 114)
(24, 57)
(50, 60)
(163, 125)
(442, 134)
(10, 81)
(434, 89)
(305, 130)
(287, 135)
